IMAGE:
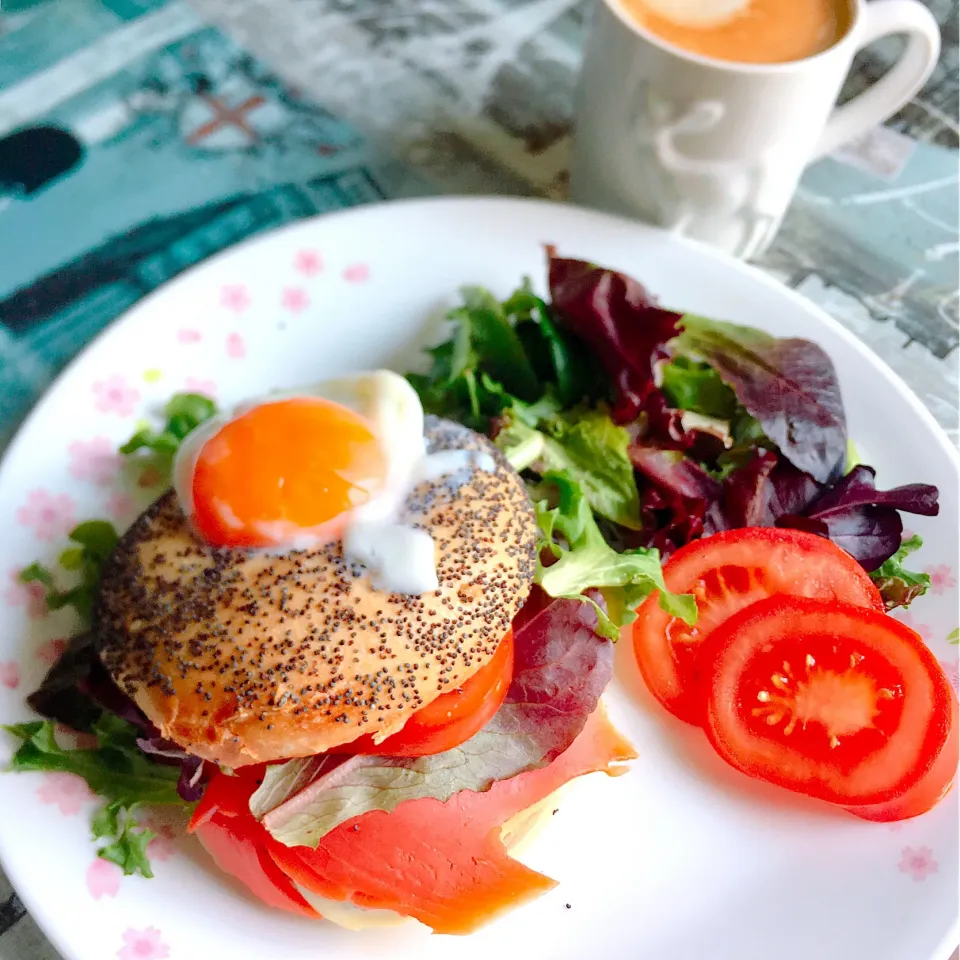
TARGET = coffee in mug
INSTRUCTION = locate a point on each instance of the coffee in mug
(745, 31)
(700, 115)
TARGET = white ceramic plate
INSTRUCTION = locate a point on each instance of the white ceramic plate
(681, 859)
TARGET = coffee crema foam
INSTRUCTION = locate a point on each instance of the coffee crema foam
(696, 13)
(744, 31)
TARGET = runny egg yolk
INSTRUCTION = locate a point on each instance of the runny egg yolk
(284, 472)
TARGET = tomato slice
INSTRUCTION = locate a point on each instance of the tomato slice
(929, 790)
(831, 700)
(240, 845)
(227, 795)
(453, 717)
(726, 573)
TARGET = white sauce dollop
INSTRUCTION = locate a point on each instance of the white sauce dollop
(400, 558)
(397, 558)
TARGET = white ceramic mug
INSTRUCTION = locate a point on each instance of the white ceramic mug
(713, 149)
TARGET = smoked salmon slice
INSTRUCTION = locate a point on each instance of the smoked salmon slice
(240, 845)
(240, 853)
(445, 863)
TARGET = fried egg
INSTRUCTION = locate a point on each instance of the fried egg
(334, 461)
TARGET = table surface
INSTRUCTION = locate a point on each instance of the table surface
(185, 128)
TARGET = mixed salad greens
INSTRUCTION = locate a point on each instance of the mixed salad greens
(636, 429)
(668, 426)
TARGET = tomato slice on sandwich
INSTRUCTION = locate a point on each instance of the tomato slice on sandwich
(453, 717)
(726, 573)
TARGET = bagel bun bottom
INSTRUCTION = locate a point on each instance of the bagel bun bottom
(518, 833)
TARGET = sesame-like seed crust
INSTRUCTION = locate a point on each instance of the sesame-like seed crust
(247, 657)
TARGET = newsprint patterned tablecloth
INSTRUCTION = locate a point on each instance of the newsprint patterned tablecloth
(182, 129)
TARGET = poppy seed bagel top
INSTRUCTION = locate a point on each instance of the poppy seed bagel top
(243, 657)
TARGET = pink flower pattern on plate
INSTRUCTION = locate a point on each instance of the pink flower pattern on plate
(295, 299)
(50, 651)
(235, 297)
(115, 395)
(356, 273)
(121, 507)
(103, 878)
(198, 385)
(51, 515)
(308, 262)
(918, 862)
(66, 791)
(236, 347)
(922, 629)
(143, 945)
(952, 669)
(10, 674)
(29, 595)
(941, 579)
(96, 460)
(187, 335)
(163, 845)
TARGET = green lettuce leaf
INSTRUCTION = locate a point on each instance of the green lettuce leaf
(284, 780)
(454, 395)
(592, 449)
(116, 769)
(521, 443)
(93, 541)
(504, 355)
(124, 841)
(184, 412)
(364, 783)
(481, 368)
(155, 449)
(585, 561)
(487, 337)
(560, 363)
(898, 586)
(697, 387)
(510, 408)
(587, 446)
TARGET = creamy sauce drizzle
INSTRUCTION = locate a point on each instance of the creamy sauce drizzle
(398, 557)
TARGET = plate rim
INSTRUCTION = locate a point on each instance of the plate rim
(387, 206)
(34, 904)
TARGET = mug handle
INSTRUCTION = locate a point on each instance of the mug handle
(895, 88)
